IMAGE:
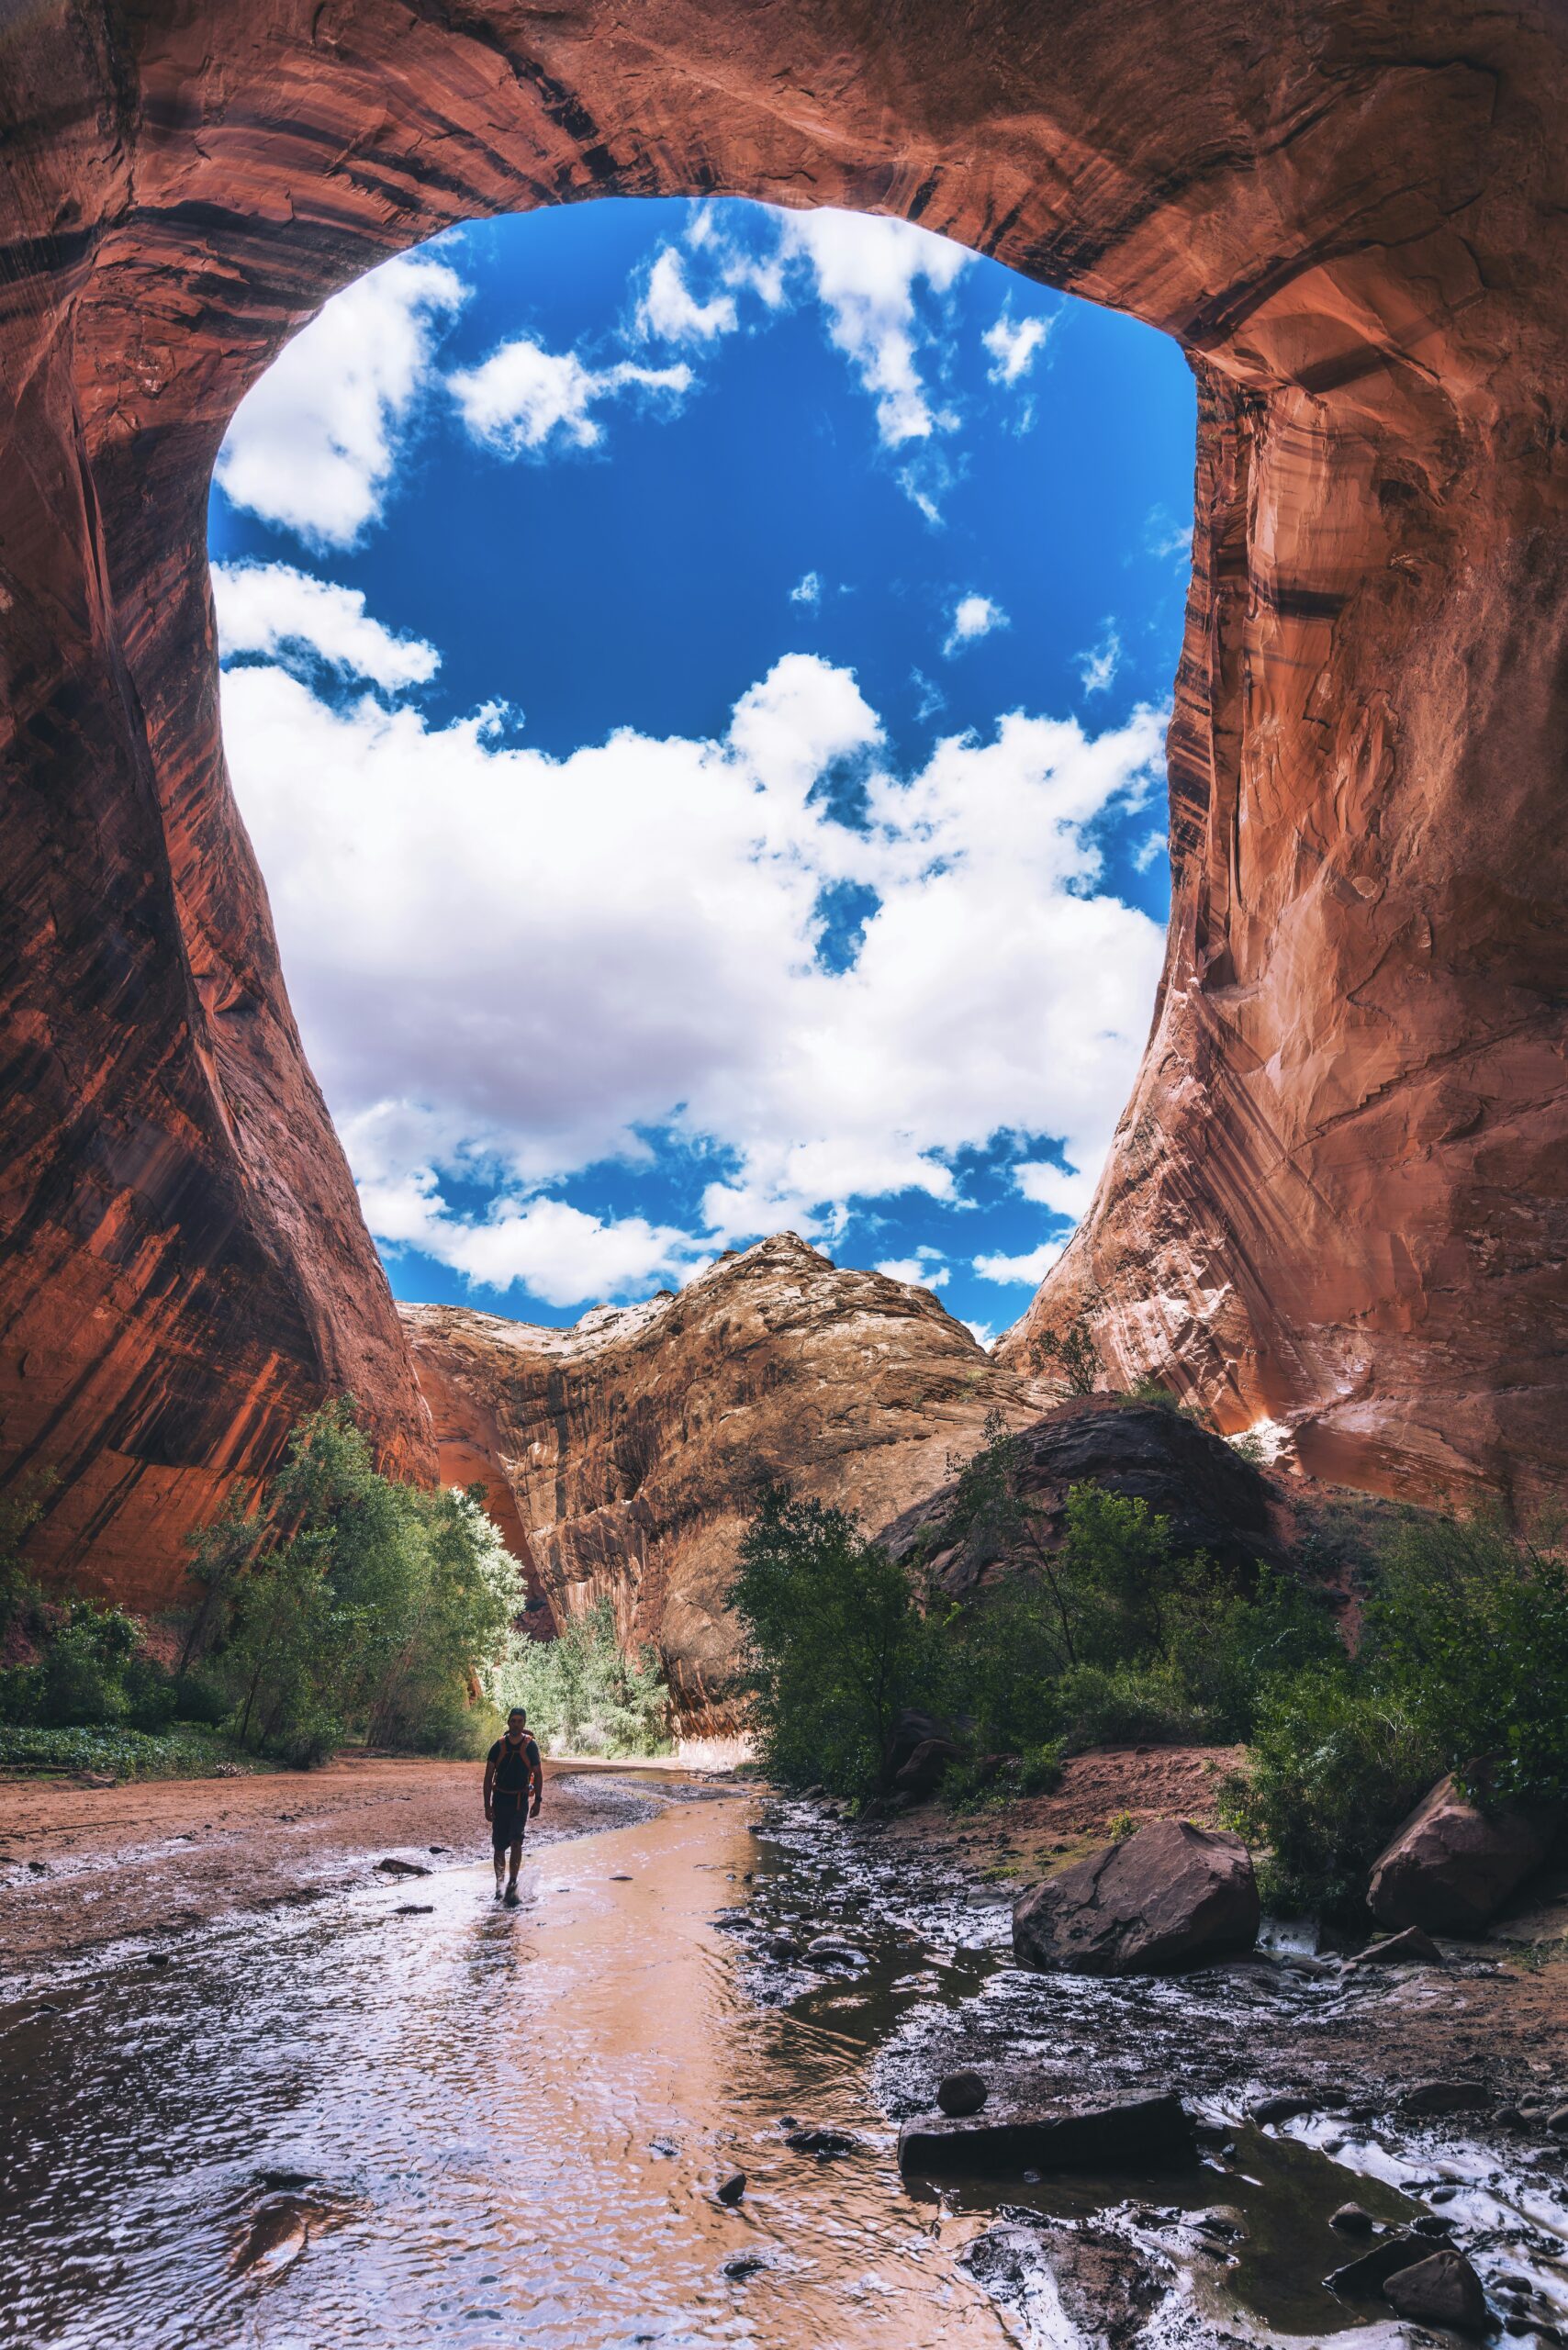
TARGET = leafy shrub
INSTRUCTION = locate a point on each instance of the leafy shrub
(1334, 1765)
(352, 1603)
(1463, 1667)
(1468, 1625)
(183, 1752)
(839, 1645)
(1039, 1768)
(1125, 1704)
(587, 1694)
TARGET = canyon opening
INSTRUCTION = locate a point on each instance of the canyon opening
(1055, 1516)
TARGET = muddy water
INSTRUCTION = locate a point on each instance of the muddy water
(408, 2116)
(404, 2116)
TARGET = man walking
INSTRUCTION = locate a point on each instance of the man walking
(512, 1771)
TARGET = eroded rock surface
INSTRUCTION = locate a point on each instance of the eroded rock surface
(1336, 1197)
(630, 1445)
(1214, 1500)
(1452, 1866)
(1171, 1895)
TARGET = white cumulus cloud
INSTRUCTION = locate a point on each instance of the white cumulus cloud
(524, 397)
(559, 1253)
(268, 606)
(865, 271)
(1026, 1272)
(973, 617)
(670, 310)
(922, 1271)
(1061, 1189)
(509, 966)
(313, 445)
(1014, 345)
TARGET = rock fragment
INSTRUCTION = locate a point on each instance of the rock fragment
(1452, 1866)
(1414, 1947)
(1445, 2097)
(961, 2093)
(1063, 2136)
(1442, 2289)
(1172, 1895)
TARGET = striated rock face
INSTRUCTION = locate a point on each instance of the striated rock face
(1337, 1196)
(627, 1448)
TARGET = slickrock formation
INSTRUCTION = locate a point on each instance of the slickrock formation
(630, 1445)
(1214, 1500)
(1338, 1198)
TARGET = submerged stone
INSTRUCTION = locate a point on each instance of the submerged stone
(1064, 2136)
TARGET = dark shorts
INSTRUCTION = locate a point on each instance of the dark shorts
(508, 1823)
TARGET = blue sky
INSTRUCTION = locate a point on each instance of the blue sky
(696, 679)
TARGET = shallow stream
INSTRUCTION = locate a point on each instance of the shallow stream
(407, 2116)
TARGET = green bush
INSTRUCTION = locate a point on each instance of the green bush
(1463, 1667)
(839, 1644)
(587, 1694)
(182, 1752)
(352, 1603)
(1334, 1765)
(1467, 1624)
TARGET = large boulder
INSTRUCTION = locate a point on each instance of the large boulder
(1172, 1895)
(1452, 1866)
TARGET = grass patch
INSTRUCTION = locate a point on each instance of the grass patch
(185, 1752)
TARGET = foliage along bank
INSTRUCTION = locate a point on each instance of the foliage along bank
(1103, 1633)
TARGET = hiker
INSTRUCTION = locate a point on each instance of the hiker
(512, 1770)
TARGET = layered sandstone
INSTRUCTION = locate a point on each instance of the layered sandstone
(626, 1450)
(1338, 1198)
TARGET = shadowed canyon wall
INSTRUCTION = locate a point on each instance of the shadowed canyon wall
(1337, 1196)
(627, 1450)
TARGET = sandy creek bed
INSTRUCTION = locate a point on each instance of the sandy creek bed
(363, 2111)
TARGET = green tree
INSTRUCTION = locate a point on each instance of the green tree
(839, 1644)
(586, 1693)
(358, 1604)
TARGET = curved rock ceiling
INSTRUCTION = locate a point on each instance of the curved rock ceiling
(1337, 1194)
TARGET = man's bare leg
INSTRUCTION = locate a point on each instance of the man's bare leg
(516, 1863)
(500, 1873)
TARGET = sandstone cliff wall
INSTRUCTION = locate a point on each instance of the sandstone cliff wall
(628, 1446)
(1337, 1197)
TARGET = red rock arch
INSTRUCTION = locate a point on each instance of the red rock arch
(1337, 1195)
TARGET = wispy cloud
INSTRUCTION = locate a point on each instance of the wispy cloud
(973, 617)
(1098, 663)
(808, 590)
(524, 399)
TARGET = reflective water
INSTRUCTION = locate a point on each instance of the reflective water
(408, 2117)
(375, 2122)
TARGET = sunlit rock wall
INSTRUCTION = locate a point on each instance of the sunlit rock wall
(630, 1446)
(1337, 1197)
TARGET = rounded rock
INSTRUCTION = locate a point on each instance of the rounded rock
(961, 2093)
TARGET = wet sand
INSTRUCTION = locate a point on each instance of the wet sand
(82, 1866)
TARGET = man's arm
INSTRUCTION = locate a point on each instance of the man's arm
(536, 1777)
(489, 1786)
